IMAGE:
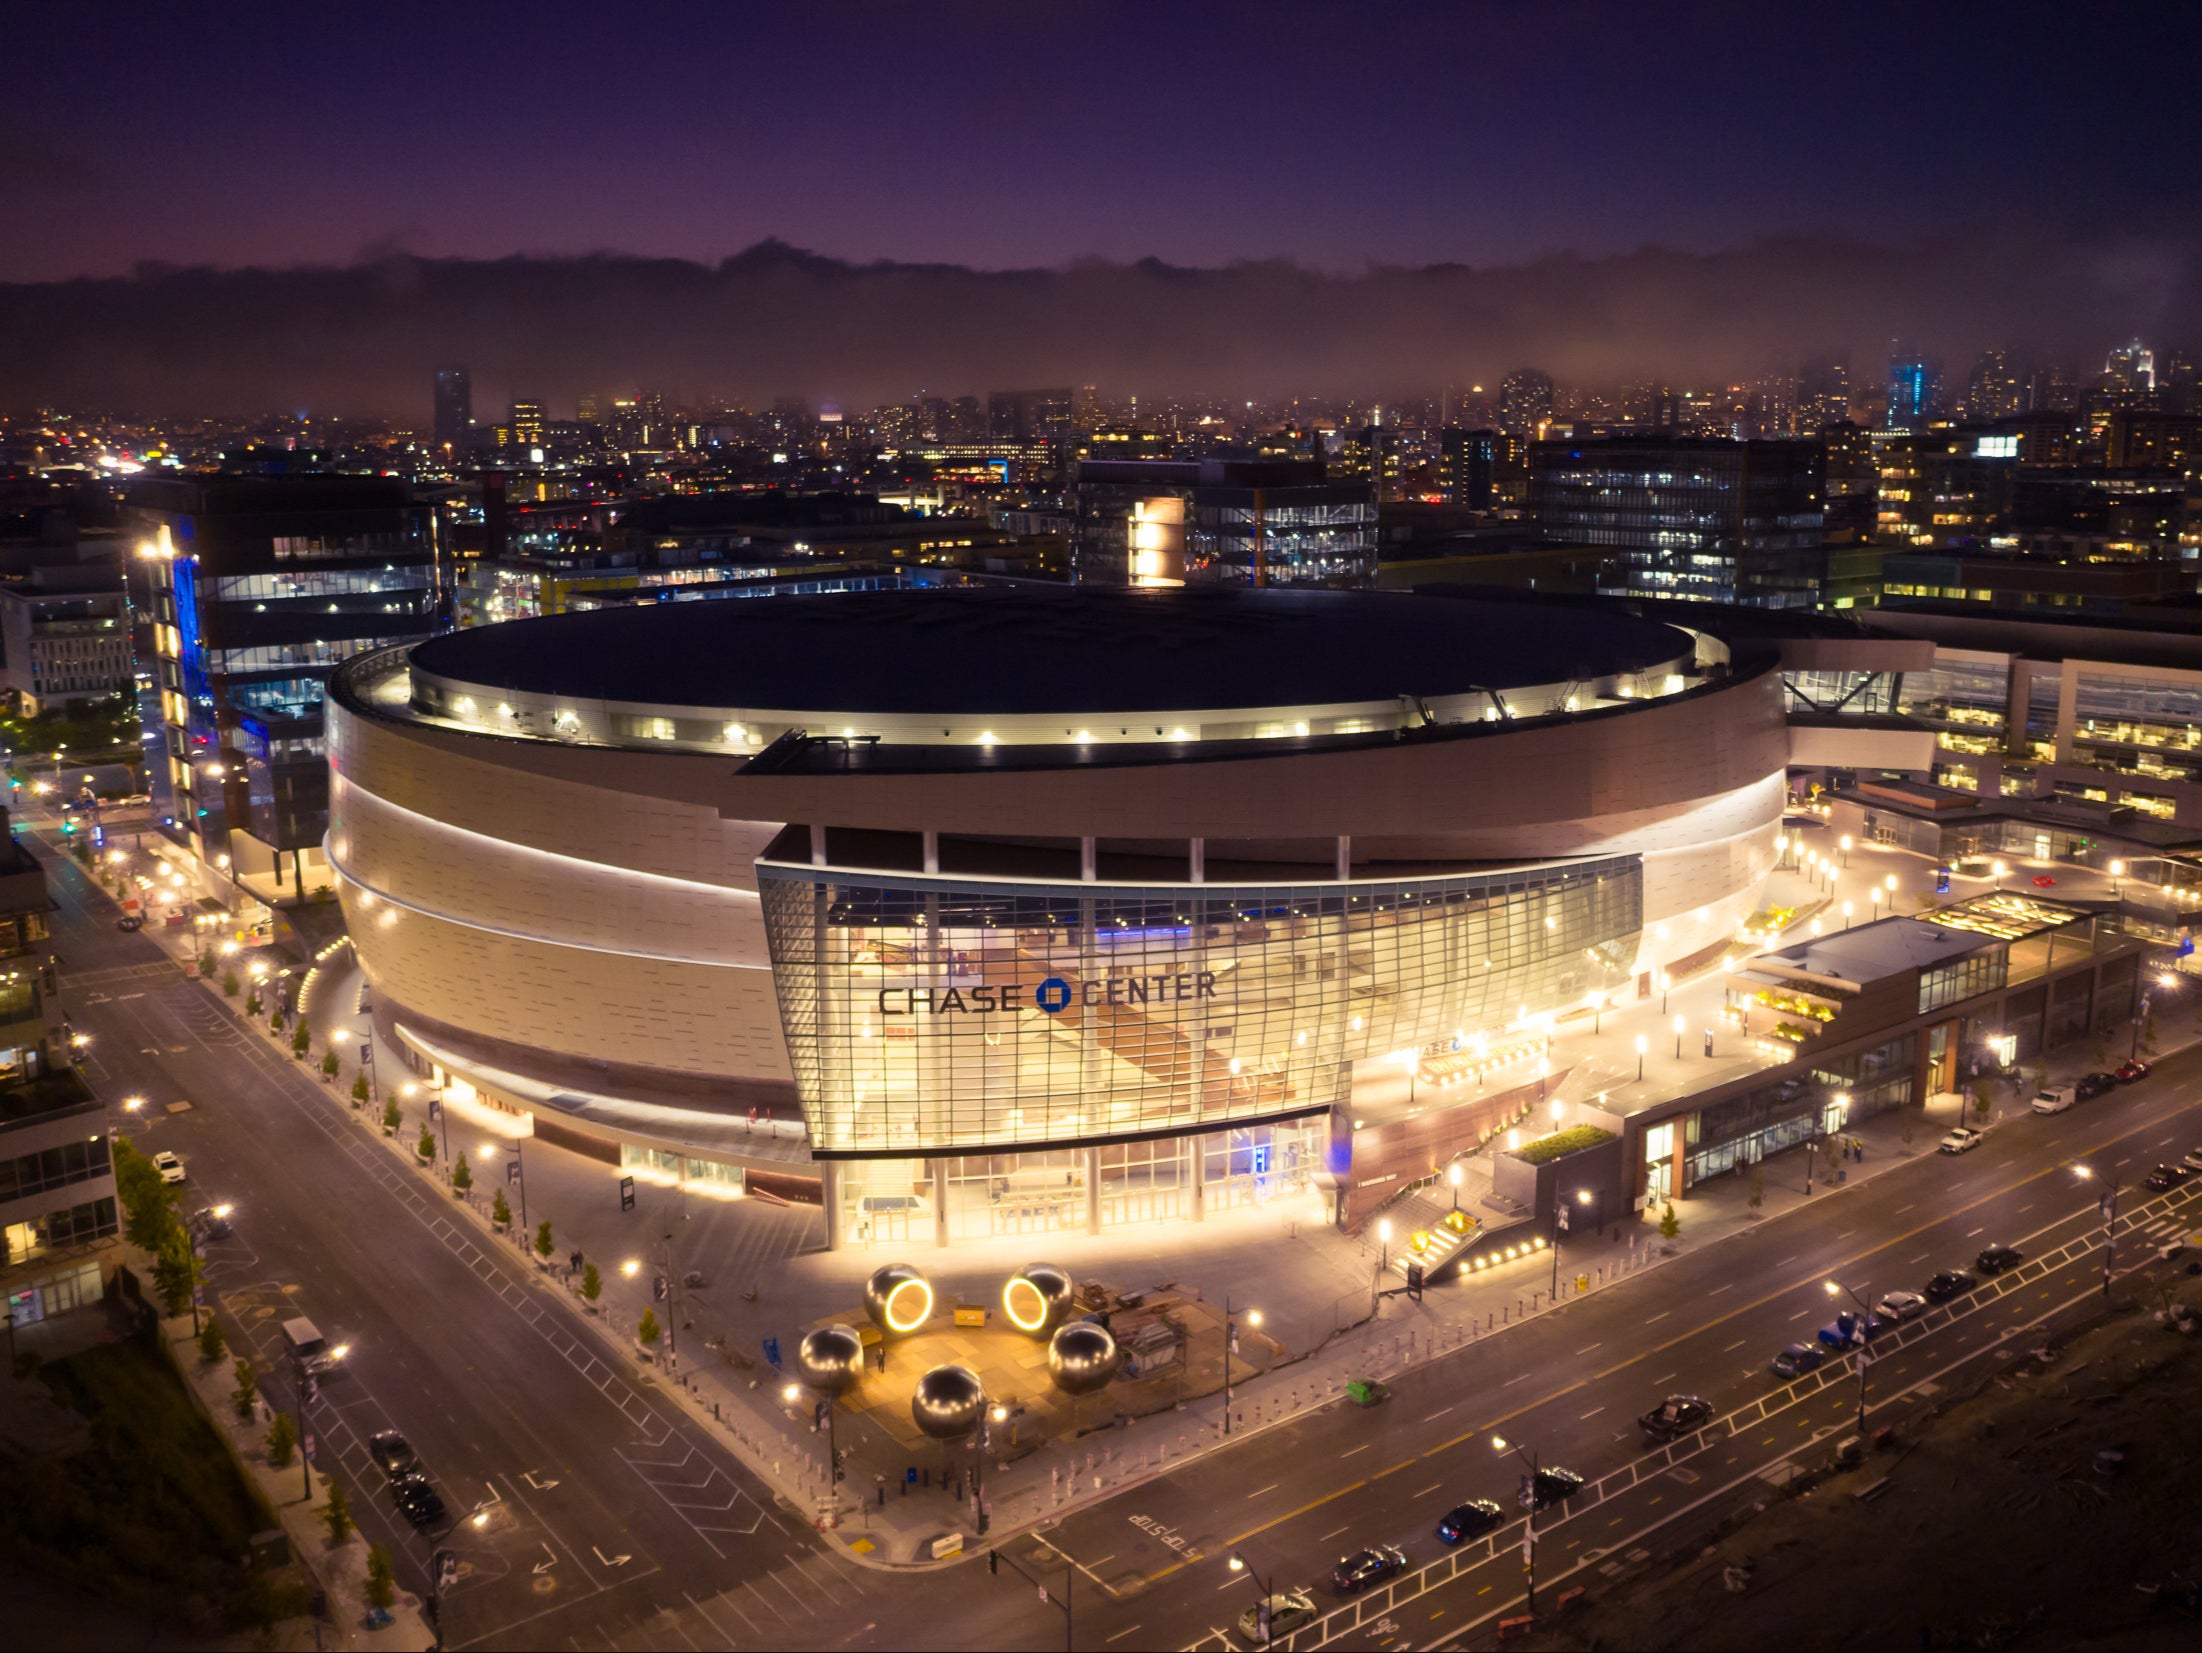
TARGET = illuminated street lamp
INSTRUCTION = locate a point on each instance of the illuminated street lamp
(2117, 879)
(1641, 1042)
(2000, 869)
(2086, 1173)
(1527, 1455)
(1844, 842)
(1848, 909)
(1452, 1175)
(219, 1213)
(1261, 1610)
(1863, 1353)
(1230, 1347)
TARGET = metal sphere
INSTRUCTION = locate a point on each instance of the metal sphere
(1082, 1357)
(830, 1358)
(947, 1401)
(1037, 1297)
(898, 1298)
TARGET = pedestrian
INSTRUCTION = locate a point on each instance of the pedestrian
(573, 1264)
(1861, 1150)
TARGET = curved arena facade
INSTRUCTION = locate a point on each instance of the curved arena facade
(1084, 906)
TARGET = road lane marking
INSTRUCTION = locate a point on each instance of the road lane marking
(1121, 1634)
(1661, 1315)
(1432, 1487)
(1733, 1347)
(1272, 1487)
(1587, 1351)
(1439, 1413)
(1976, 1233)
(1363, 1447)
(1333, 1533)
(1669, 1378)
(1592, 1413)
(1717, 1290)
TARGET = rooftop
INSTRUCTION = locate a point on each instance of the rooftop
(1046, 649)
(1889, 946)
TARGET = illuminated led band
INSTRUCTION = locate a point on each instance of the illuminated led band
(1025, 1304)
(897, 1320)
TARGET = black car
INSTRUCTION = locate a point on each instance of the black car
(2093, 1085)
(130, 921)
(211, 1224)
(2168, 1176)
(1356, 1572)
(1951, 1282)
(1996, 1258)
(417, 1501)
(1470, 1520)
(393, 1453)
(1555, 1485)
(1676, 1416)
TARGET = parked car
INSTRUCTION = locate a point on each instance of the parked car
(1798, 1359)
(2093, 1085)
(1288, 1610)
(1951, 1282)
(1676, 1416)
(2128, 1072)
(211, 1223)
(1554, 1485)
(2054, 1098)
(130, 921)
(2168, 1176)
(1848, 1329)
(169, 1166)
(1963, 1140)
(2192, 1160)
(417, 1501)
(393, 1453)
(1470, 1520)
(1901, 1305)
(1356, 1572)
(1995, 1259)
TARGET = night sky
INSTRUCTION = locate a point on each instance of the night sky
(1337, 135)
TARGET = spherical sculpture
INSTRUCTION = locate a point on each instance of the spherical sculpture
(898, 1298)
(1037, 1297)
(830, 1358)
(946, 1402)
(1082, 1357)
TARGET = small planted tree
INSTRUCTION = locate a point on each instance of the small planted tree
(247, 1390)
(462, 1176)
(426, 1147)
(336, 1514)
(252, 1003)
(1984, 1099)
(543, 1239)
(330, 1066)
(647, 1330)
(500, 1210)
(301, 1041)
(392, 1117)
(175, 1272)
(230, 984)
(1669, 1224)
(382, 1583)
(282, 1440)
(211, 1341)
(592, 1284)
(360, 1091)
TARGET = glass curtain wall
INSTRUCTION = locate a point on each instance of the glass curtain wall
(923, 1017)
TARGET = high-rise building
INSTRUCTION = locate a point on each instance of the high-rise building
(1914, 388)
(255, 588)
(1853, 482)
(1525, 402)
(1823, 393)
(454, 406)
(2051, 390)
(1945, 488)
(586, 410)
(2131, 367)
(1686, 517)
(1468, 462)
(1992, 391)
(1370, 454)
(527, 424)
(1212, 522)
(1030, 415)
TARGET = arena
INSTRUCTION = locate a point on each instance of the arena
(1008, 909)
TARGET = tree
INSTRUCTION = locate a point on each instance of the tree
(282, 1440)
(252, 1002)
(426, 1147)
(1758, 1186)
(592, 1284)
(211, 1341)
(462, 1176)
(329, 1064)
(360, 1090)
(175, 1271)
(247, 1390)
(301, 1041)
(230, 984)
(382, 1584)
(648, 1331)
(336, 1514)
(148, 1204)
(392, 1116)
(1669, 1224)
(500, 1209)
(543, 1239)
(1984, 1099)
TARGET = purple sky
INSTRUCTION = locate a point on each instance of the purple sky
(1001, 136)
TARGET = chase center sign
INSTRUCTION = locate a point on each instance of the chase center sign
(1054, 995)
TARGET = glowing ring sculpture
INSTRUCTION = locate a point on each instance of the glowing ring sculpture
(898, 1298)
(1037, 1297)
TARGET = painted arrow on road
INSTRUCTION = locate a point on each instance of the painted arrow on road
(547, 1563)
(611, 1560)
(528, 1475)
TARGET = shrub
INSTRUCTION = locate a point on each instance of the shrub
(211, 1341)
(500, 1209)
(426, 1147)
(282, 1440)
(247, 1390)
(1573, 1140)
(543, 1239)
(336, 1515)
(382, 1583)
(1669, 1224)
(329, 1063)
(360, 1090)
(230, 984)
(592, 1283)
(462, 1176)
(648, 1331)
(392, 1116)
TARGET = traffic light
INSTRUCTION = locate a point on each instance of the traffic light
(1414, 1281)
(68, 827)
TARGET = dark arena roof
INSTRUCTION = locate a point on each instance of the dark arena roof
(1043, 649)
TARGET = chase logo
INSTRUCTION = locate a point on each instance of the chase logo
(1052, 995)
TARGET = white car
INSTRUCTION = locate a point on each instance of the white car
(2054, 1098)
(1963, 1140)
(1901, 1305)
(2193, 1160)
(170, 1167)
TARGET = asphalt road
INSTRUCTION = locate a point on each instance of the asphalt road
(575, 1460)
(607, 1518)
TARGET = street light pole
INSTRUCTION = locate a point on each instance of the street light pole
(1863, 1353)
(1239, 1564)
(1529, 1528)
(2110, 1222)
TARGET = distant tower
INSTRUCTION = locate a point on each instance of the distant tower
(1913, 381)
(454, 406)
(1525, 402)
